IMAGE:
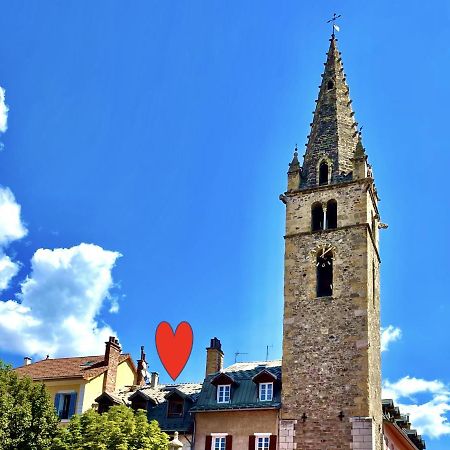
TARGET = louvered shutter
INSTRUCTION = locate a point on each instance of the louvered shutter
(72, 404)
(228, 442)
(208, 442)
(273, 442)
(251, 442)
(56, 402)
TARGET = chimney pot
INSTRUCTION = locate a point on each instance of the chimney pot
(26, 361)
(154, 379)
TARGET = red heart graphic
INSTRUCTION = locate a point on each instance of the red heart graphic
(174, 349)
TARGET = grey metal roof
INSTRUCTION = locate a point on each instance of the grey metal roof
(245, 394)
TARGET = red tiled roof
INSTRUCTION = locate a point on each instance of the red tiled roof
(86, 367)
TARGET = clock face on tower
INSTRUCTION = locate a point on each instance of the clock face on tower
(324, 252)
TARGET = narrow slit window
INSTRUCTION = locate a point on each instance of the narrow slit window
(373, 283)
(316, 217)
(324, 267)
(331, 214)
(330, 85)
(323, 173)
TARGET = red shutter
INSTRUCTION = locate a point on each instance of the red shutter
(208, 442)
(273, 442)
(251, 442)
(229, 443)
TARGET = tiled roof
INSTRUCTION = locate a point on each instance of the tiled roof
(245, 394)
(86, 367)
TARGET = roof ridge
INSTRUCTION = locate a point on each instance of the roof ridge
(255, 362)
(79, 357)
(68, 357)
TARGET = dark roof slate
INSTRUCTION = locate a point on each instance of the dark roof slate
(392, 414)
(157, 407)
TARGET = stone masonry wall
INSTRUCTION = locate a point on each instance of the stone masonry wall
(331, 366)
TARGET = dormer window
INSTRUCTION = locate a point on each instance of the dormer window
(223, 393)
(223, 382)
(175, 407)
(265, 392)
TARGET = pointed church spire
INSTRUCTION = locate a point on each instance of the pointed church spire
(334, 137)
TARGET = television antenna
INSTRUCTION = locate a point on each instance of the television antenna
(236, 354)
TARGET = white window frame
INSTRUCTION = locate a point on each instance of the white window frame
(216, 437)
(259, 436)
(266, 399)
(70, 392)
(224, 390)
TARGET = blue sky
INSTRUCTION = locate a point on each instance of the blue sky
(162, 132)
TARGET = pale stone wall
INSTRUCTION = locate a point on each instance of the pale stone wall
(286, 435)
(363, 433)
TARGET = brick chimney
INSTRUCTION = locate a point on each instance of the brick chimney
(26, 361)
(141, 369)
(112, 355)
(214, 357)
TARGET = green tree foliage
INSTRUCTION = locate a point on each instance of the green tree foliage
(118, 429)
(27, 416)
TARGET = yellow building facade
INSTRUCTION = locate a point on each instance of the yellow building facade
(74, 383)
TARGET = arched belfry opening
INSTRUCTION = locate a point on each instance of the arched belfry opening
(324, 268)
(331, 214)
(323, 173)
(316, 216)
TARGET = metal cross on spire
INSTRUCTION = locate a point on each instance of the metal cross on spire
(333, 22)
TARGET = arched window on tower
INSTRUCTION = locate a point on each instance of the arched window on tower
(331, 214)
(316, 217)
(323, 173)
(324, 267)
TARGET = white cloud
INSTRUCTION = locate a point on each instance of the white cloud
(11, 226)
(8, 270)
(3, 112)
(59, 304)
(429, 417)
(11, 229)
(388, 335)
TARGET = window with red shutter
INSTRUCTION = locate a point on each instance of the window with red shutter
(251, 442)
(208, 442)
(273, 442)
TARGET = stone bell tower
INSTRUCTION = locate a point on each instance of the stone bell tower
(331, 397)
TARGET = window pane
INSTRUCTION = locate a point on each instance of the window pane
(219, 443)
(263, 443)
(223, 394)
